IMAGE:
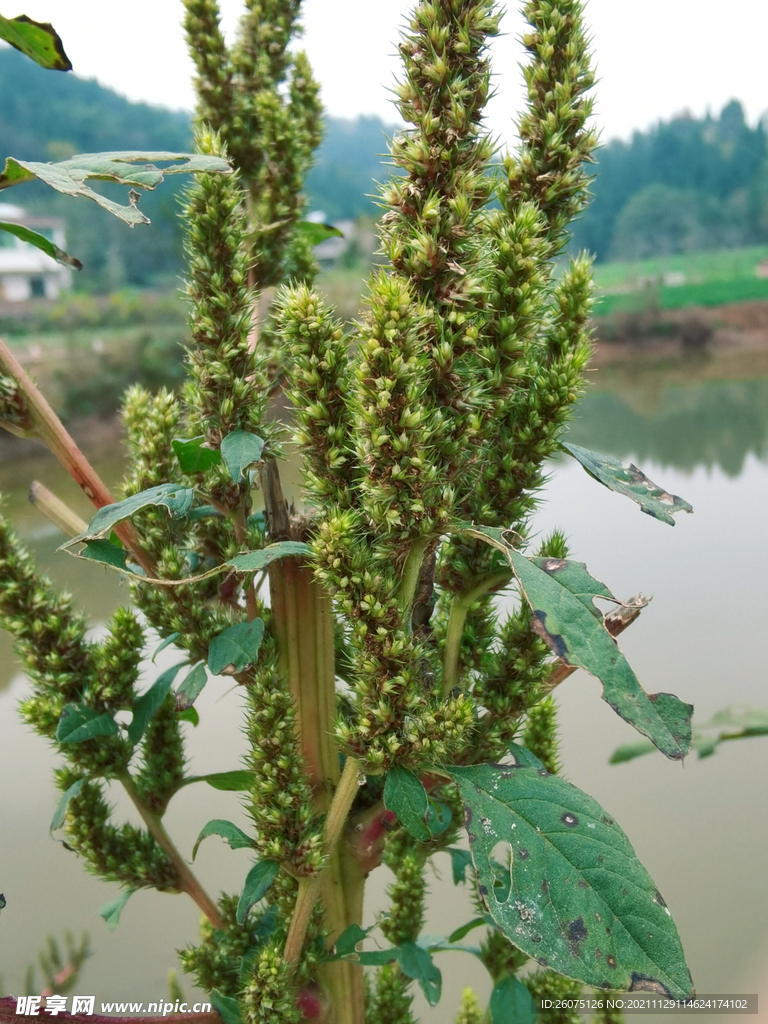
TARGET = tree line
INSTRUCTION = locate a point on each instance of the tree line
(685, 184)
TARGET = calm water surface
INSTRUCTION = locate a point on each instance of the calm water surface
(700, 829)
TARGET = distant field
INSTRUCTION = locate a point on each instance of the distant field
(711, 278)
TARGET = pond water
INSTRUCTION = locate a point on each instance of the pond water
(700, 829)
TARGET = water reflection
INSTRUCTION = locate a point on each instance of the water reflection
(714, 424)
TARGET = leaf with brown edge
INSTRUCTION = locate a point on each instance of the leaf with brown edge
(37, 40)
(560, 594)
(629, 481)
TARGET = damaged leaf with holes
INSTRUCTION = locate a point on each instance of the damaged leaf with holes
(561, 596)
(560, 878)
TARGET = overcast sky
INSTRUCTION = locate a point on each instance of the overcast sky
(655, 58)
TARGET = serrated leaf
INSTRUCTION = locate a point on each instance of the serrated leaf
(418, 964)
(148, 704)
(191, 688)
(227, 1007)
(37, 40)
(174, 497)
(257, 883)
(579, 902)
(406, 797)
(229, 782)
(61, 810)
(512, 1003)
(79, 722)
(235, 836)
(41, 242)
(240, 449)
(192, 456)
(166, 643)
(564, 620)
(111, 911)
(631, 482)
(460, 861)
(235, 648)
(317, 233)
(125, 168)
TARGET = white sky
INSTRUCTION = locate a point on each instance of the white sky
(655, 58)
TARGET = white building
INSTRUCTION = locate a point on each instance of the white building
(26, 272)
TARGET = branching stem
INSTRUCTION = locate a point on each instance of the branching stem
(310, 888)
(189, 883)
(459, 608)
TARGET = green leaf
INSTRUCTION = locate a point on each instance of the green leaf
(743, 722)
(239, 449)
(257, 882)
(235, 836)
(129, 168)
(79, 722)
(3, 902)
(465, 929)
(417, 964)
(230, 782)
(148, 704)
(203, 512)
(227, 1007)
(236, 648)
(105, 551)
(111, 911)
(191, 688)
(254, 561)
(166, 643)
(189, 715)
(317, 233)
(438, 817)
(579, 902)
(61, 810)
(630, 751)
(512, 1003)
(460, 861)
(35, 39)
(406, 797)
(41, 242)
(631, 482)
(566, 621)
(174, 497)
(192, 456)
(349, 938)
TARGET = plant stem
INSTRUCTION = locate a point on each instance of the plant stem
(411, 573)
(189, 883)
(309, 888)
(459, 608)
(56, 510)
(48, 428)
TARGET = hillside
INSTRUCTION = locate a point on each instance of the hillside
(46, 116)
(685, 185)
